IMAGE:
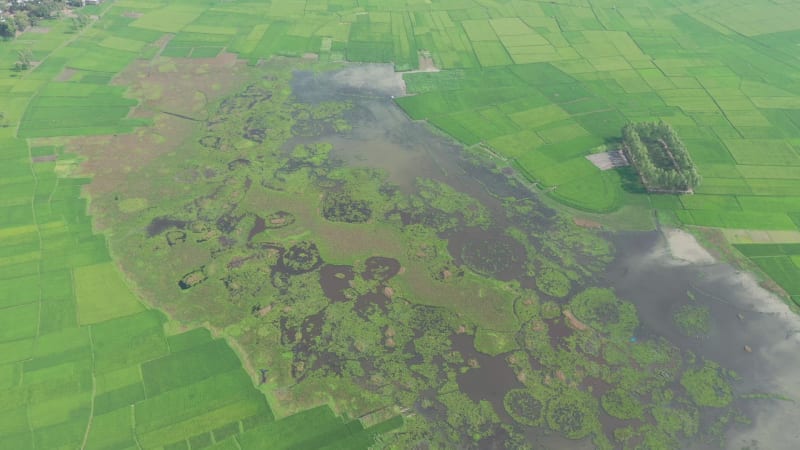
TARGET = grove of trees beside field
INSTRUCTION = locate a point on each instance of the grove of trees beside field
(21, 15)
(661, 159)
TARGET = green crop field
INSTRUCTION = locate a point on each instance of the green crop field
(85, 364)
(101, 294)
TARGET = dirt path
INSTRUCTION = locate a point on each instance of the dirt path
(94, 395)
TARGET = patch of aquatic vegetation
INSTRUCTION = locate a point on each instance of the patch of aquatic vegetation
(622, 404)
(708, 385)
(449, 202)
(572, 412)
(693, 320)
(553, 283)
(339, 287)
(602, 310)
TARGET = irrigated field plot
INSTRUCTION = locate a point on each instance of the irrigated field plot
(101, 294)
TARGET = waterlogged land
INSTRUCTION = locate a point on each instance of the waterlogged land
(361, 261)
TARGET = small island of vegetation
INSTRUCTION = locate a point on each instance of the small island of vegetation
(660, 157)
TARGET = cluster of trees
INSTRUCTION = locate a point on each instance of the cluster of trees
(22, 14)
(24, 60)
(660, 157)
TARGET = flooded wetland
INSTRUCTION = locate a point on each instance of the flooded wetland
(361, 259)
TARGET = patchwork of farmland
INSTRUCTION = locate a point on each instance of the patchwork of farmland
(84, 364)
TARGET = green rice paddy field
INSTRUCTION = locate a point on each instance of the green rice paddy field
(541, 83)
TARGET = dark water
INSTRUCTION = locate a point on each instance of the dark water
(259, 226)
(335, 280)
(643, 272)
(490, 380)
(162, 224)
(488, 252)
(380, 268)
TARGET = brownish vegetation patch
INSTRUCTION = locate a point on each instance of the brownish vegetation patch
(66, 74)
(170, 99)
(574, 322)
(586, 223)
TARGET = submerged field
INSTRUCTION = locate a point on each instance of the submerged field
(374, 278)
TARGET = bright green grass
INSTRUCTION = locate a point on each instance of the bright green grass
(170, 19)
(102, 294)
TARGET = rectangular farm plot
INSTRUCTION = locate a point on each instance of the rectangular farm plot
(777, 102)
(524, 40)
(111, 430)
(170, 19)
(769, 204)
(562, 131)
(510, 26)
(710, 202)
(102, 294)
(534, 54)
(783, 270)
(540, 116)
(190, 409)
(118, 398)
(189, 366)
(294, 432)
(491, 53)
(773, 172)
(18, 291)
(760, 186)
(598, 191)
(737, 220)
(724, 186)
(517, 144)
(69, 109)
(19, 322)
(708, 151)
(118, 43)
(747, 118)
(479, 30)
(763, 152)
(128, 340)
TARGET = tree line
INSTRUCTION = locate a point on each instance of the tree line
(661, 159)
(20, 15)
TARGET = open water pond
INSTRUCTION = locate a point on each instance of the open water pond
(746, 334)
